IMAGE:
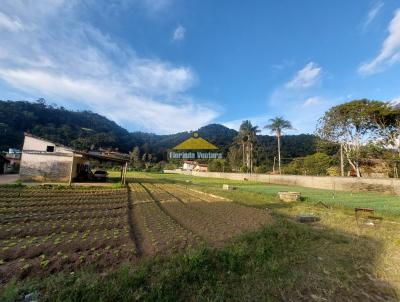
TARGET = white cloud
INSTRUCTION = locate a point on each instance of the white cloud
(373, 13)
(10, 23)
(395, 102)
(165, 79)
(302, 107)
(156, 5)
(390, 51)
(179, 33)
(74, 64)
(312, 101)
(306, 77)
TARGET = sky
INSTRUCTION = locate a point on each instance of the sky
(166, 66)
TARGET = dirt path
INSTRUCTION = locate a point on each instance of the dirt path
(7, 179)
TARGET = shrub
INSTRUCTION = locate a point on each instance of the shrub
(315, 164)
(218, 165)
(170, 166)
(244, 169)
(333, 171)
(261, 169)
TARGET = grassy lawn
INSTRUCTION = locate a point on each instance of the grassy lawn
(388, 205)
(332, 260)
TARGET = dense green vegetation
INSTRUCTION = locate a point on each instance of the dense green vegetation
(366, 133)
(78, 129)
(363, 128)
(85, 130)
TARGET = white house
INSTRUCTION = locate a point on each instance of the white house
(201, 168)
(43, 160)
(189, 165)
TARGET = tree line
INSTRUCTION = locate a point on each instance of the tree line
(350, 136)
(85, 130)
(364, 132)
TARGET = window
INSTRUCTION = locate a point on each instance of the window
(50, 149)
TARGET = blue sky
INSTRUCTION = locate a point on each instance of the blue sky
(174, 65)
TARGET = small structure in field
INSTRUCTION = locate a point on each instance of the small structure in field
(289, 196)
(307, 218)
(227, 187)
(43, 160)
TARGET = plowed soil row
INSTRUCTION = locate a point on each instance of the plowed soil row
(43, 231)
(76, 228)
(157, 232)
(216, 222)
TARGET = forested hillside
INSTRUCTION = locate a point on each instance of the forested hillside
(77, 129)
(84, 130)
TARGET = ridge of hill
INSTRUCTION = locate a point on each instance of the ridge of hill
(85, 130)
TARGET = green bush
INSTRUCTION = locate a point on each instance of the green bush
(244, 169)
(315, 164)
(261, 169)
(170, 166)
(218, 165)
(333, 171)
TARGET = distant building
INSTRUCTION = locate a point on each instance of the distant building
(14, 157)
(43, 160)
(189, 165)
(201, 168)
(4, 162)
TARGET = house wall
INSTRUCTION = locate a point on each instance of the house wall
(352, 184)
(200, 168)
(39, 165)
(39, 145)
(187, 166)
(45, 167)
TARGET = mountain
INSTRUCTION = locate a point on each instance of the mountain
(85, 130)
(79, 129)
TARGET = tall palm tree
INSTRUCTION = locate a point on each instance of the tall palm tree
(246, 138)
(277, 125)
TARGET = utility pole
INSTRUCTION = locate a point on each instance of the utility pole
(341, 160)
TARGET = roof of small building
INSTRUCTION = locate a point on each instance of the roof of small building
(98, 156)
(202, 165)
(191, 162)
(103, 157)
(46, 140)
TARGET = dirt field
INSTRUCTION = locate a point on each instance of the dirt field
(179, 239)
(48, 230)
(44, 230)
